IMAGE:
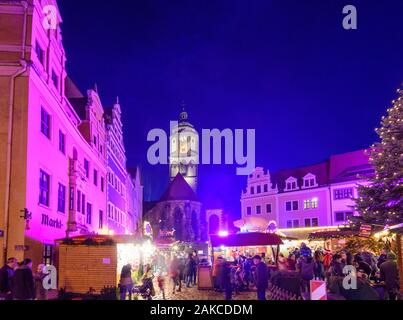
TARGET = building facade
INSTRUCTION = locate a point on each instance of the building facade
(118, 221)
(184, 151)
(307, 197)
(53, 146)
(134, 191)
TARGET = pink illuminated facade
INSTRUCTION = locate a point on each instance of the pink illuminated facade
(54, 150)
(306, 197)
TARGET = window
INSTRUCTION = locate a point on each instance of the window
(344, 193)
(314, 203)
(252, 190)
(258, 209)
(289, 224)
(44, 185)
(87, 168)
(295, 224)
(309, 181)
(268, 208)
(61, 198)
(78, 201)
(291, 184)
(315, 222)
(259, 189)
(39, 52)
(55, 79)
(288, 206)
(307, 204)
(265, 188)
(62, 142)
(45, 123)
(95, 177)
(95, 140)
(307, 223)
(83, 203)
(89, 213)
(295, 205)
(101, 219)
(102, 184)
(248, 211)
(48, 254)
(71, 199)
(342, 216)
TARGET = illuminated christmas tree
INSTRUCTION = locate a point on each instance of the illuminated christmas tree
(380, 202)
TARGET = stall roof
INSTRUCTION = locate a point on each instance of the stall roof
(333, 234)
(246, 239)
(100, 238)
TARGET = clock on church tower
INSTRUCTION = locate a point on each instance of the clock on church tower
(184, 151)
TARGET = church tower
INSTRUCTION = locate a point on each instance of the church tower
(184, 151)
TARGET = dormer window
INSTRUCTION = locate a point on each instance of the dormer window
(291, 184)
(309, 181)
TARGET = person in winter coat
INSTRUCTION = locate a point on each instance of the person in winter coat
(23, 286)
(305, 268)
(226, 282)
(6, 274)
(318, 269)
(282, 263)
(360, 264)
(126, 282)
(262, 277)
(382, 258)
(336, 266)
(305, 250)
(390, 275)
(189, 268)
(40, 292)
(173, 273)
(291, 262)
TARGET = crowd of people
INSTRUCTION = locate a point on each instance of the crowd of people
(376, 277)
(19, 282)
(179, 269)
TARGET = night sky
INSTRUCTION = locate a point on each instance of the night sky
(285, 68)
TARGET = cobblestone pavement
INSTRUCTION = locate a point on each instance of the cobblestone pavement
(194, 294)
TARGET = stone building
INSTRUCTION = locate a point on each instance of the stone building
(184, 151)
(178, 214)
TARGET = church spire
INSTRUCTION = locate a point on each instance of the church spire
(183, 116)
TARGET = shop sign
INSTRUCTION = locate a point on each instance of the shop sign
(53, 223)
(365, 230)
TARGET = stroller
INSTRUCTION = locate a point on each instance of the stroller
(145, 290)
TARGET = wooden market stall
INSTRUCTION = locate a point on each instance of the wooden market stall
(244, 241)
(93, 262)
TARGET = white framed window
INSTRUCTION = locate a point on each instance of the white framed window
(309, 181)
(291, 184)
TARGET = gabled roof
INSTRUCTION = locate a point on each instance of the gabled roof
(179, 189)
(79, 105)
(320, 170)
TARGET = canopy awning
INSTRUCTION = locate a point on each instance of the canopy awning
(246, 239)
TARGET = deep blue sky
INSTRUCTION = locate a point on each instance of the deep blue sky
(286, 68)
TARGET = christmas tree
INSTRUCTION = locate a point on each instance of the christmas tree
(380, 202)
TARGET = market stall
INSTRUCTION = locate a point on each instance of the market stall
(246, 244)
(92, 262)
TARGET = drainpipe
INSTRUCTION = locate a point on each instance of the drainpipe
(19, 72)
